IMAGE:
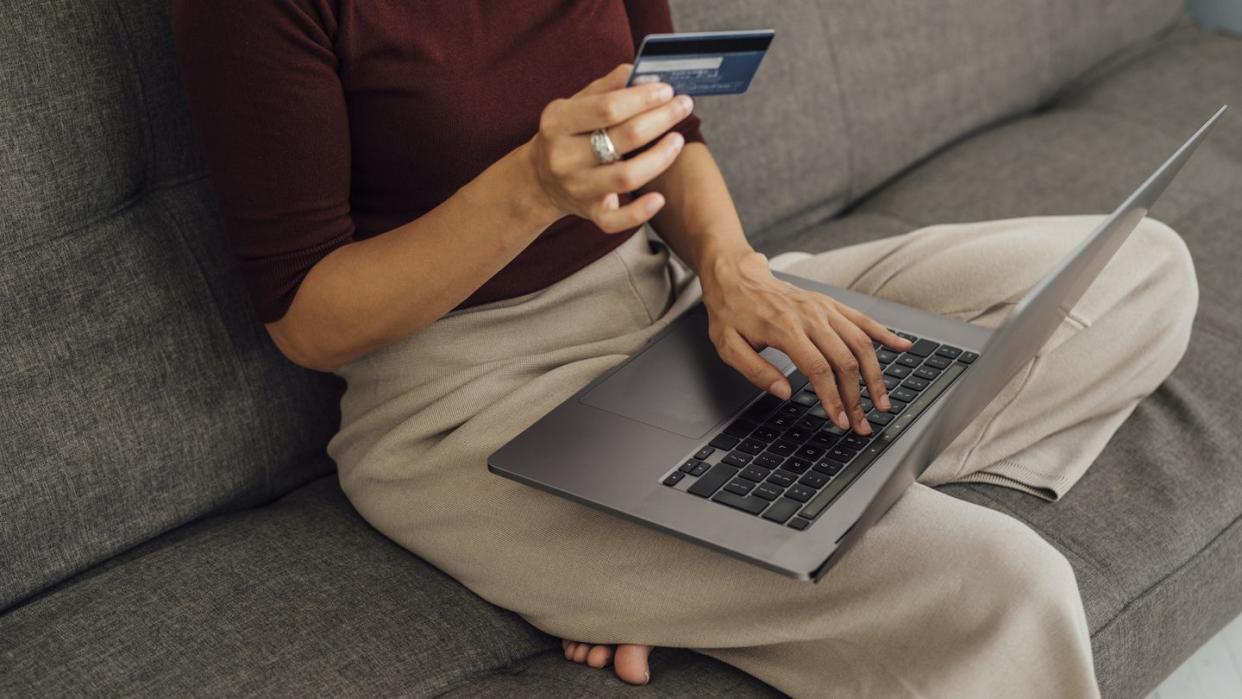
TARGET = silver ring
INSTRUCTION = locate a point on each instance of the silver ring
(602, 146)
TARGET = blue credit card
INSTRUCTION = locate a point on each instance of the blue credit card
(705, 63)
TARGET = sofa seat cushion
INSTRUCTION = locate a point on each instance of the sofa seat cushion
(300, 597)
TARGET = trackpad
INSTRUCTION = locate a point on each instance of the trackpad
(678, 384)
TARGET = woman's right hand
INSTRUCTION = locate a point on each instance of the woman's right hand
(570, 177)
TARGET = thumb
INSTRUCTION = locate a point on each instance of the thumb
(738, 354)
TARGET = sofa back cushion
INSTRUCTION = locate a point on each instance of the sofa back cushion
(852, 92)
(137, 390)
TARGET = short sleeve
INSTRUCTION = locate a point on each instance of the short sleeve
(654, 17)
(261, 80)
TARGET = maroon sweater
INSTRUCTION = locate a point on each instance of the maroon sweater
(327, 121)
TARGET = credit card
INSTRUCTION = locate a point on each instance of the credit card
(702, 63)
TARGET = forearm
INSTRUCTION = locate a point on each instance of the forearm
(373, 292)
(699, 220)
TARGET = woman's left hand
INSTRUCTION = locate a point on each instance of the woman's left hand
(750, 309)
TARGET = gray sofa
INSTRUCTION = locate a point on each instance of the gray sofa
(170, 524)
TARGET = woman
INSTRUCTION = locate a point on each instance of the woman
(416, 204)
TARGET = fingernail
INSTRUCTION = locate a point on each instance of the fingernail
(663, 93)
(678, 141)
(646, 677)
(654, 204)
(843, 420)
(685, 103)
(780, 389)
(884, 404)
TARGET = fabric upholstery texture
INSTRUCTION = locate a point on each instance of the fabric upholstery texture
(140, 394)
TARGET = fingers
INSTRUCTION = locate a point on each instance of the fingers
(817, 368)
(614, 219)
(645, 127)
(585, 113)
(845, 367)
(629, 175)
(874, 330)
(737, 353)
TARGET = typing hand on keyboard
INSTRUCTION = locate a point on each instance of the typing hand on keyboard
(830, 343)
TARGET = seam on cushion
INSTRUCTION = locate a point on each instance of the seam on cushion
(1228, 530)
(125, 205)
(1115, 590)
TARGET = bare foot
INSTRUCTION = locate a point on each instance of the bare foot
(630, 660)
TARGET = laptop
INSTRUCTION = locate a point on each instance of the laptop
(675, 439)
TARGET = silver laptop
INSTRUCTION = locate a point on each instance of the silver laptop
(677, 440)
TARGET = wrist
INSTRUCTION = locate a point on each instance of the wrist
(529, 196)
(727, 267)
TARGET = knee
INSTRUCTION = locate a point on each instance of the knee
(1170, 273)
(1024, 577)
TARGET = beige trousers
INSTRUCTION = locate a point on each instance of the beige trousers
(940, 598)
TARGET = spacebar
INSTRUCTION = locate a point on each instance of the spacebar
(864, 459)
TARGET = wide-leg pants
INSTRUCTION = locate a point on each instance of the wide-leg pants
(940, 598)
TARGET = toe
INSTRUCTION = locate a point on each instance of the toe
(599, 656)
(569, 649)
(631, 663)
(580, 653)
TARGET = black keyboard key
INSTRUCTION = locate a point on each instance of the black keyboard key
(866, 404)
(824, 439)
(903, 394)
(765, 433)
(738, 459)
(841, 482)
(885, 357)
(923, 348)
(968, 357)
(810, 452)
(797, 434)
(739, 486)
(890, 382)
(711, 481)
(688, 467)
(674, 478)
(897, 371)
(937, 362)
(783, 479)
(782, 510)
(829, 467)
(768, 460)
(855, 441)
(909, 360)
(704, 453)
(724, 442)
(841, 454)
(752, 446)
(897, 406)
(811, 422)
(914, 383)
(796, 465)
(767, 492)
(783, 448)
(814, 480)
(700, 468)
(876, 417)
(926, 372)
(799, 523)
(740, 428)
(904, 335)
(801, 493)
(781, 422)
(762, 408)
(793, 410)
(749, 504)
(753, 473)
(796, 381)
(806, 399)
(949, 351)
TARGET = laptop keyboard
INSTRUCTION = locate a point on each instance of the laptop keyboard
(786, 462)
